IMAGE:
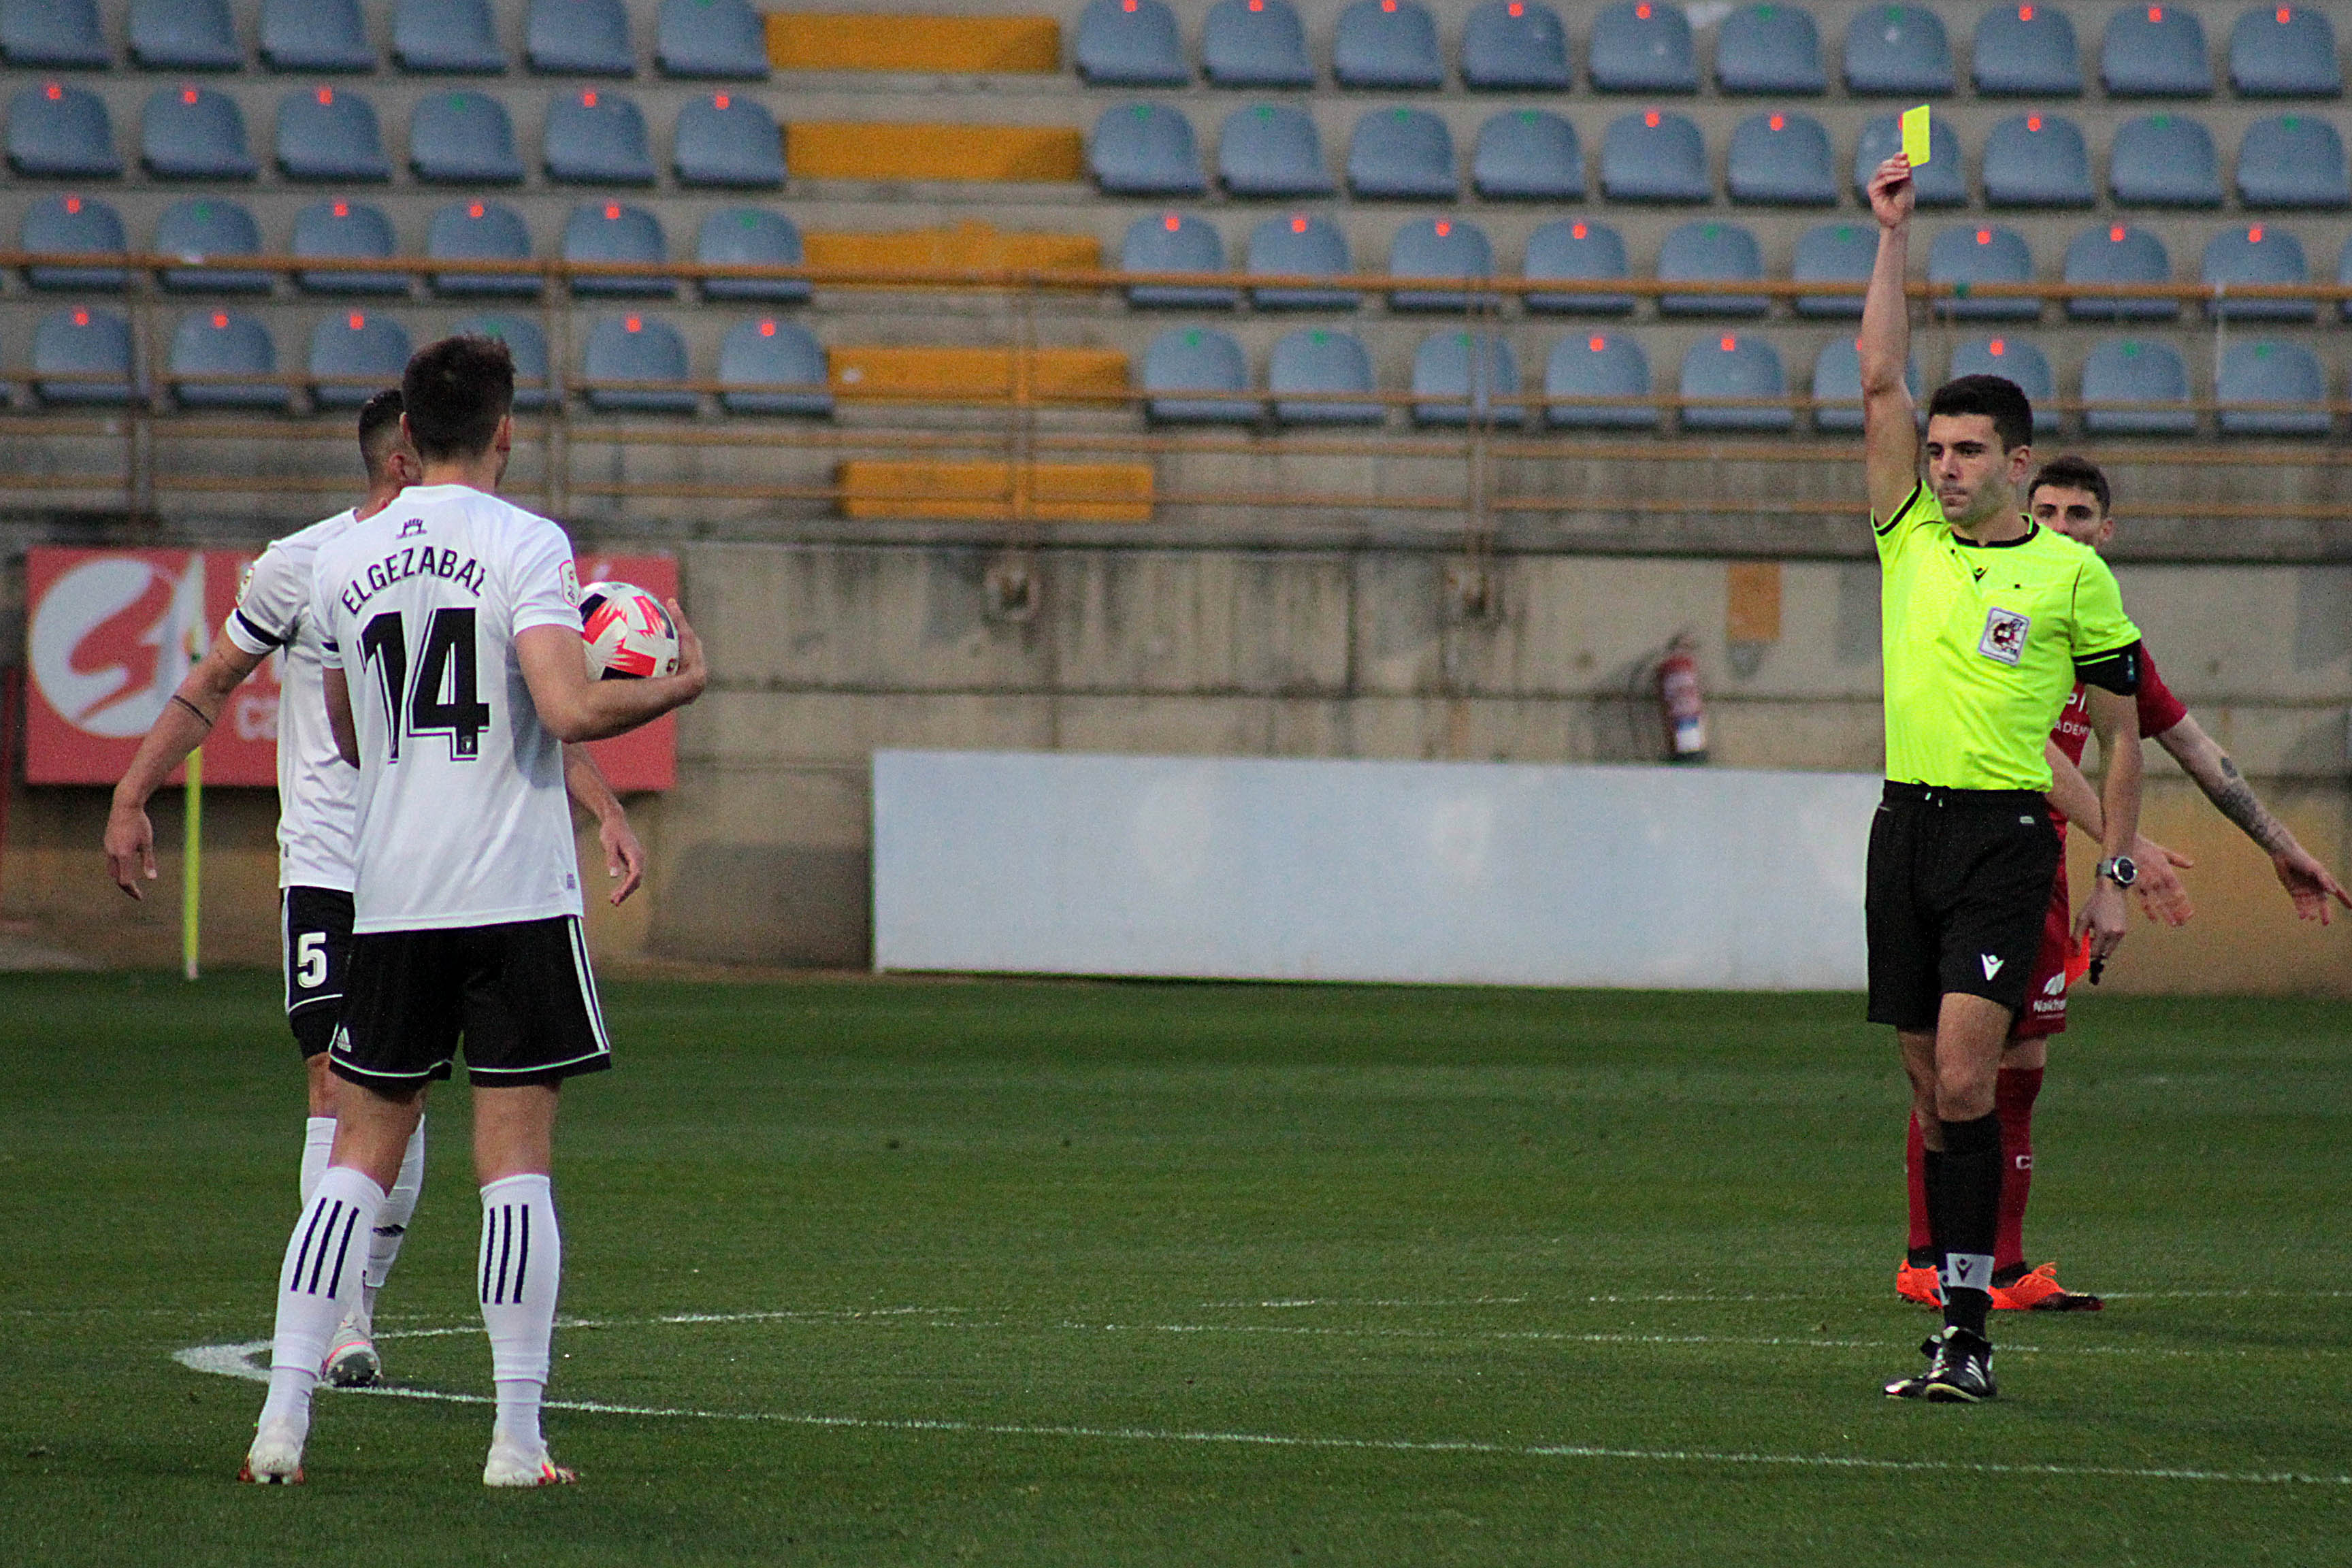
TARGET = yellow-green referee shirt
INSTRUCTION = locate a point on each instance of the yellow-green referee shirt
(1981, 643)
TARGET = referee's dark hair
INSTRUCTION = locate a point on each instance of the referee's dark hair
(2072, 473)
(379, 429)
(1996, 397)
(455, 393)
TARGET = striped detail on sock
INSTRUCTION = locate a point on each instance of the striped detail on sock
(328, 1230)
(506, 1253)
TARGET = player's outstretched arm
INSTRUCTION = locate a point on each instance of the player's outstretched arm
(624, 858)
(574, 708)
(2308, 882)
(1890, 438)
(2161, 892)
(2117, 721)
(182, 727)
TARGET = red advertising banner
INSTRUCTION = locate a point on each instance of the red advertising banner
(112, 633)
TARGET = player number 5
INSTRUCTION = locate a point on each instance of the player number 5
(310, 960)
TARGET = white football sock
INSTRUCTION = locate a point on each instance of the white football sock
(317, 1143)
(521, 1264)
(392, 1225)
(318, 1282)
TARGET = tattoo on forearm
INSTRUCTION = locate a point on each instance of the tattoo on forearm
(2235, 800)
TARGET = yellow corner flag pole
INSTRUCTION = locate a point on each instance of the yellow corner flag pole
(192, 865)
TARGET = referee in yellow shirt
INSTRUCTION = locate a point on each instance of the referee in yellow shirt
(1989, 621)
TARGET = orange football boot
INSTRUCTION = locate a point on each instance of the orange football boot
(2040, 1292)
(1917, 1282)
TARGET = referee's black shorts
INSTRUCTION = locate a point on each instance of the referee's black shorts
(520, 996)
(1959, 882)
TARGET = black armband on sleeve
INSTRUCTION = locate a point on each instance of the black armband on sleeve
(2117, 672)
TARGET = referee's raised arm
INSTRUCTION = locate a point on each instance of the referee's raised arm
(1890, 436)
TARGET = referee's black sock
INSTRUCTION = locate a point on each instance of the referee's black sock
(1964, 1208)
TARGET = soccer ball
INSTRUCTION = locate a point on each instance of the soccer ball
(628, 631)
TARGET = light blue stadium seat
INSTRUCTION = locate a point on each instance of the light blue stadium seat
(1773, 47)
(636, 348)
(597, 137)
(1971, 254)
(1834, 253)
(1463, 375)
(527, 343)
(71, 345)
(73, 225)
(1942, 184)
(751, 236)
(54, 35)
(2285, 51)
(1576, 248)
(2164, 160)
(2037, 161)
(1513, 46)
(1146, 150)
(315, 35)
(479, 230)
(2014, 360)
(2156, 51)
(1733, 365)
(1254, 42)
(1598, 364)
(2256, 254)
(446, 35)
(1711, 252)
(728, 140)
(1130, 43)
(2118, 253)
(2271, 374)
(579, 38)
(1642, 45)
(1272, 149)
(207, 227)
(1898, 50)
(193, 133)
(612, 231)
(183, 35)
(768, 366)
(1403, 155)
(1528, 154)
(1438, 247)
(463, 139)
(2026, 50)
(224, 343)
(366, 350)
(60, 130)
(2135, 370)
(2293, 161)
(1782, 159)
(346, 230)
(1387, 44)
(1652, 155)
(329, 133)
(1196, 375)
(1299, 245)
(1320, 361)
(1837, 387)
(711, 38)
(1175, 242)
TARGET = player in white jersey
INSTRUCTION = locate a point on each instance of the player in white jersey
(317, 796)
(455, 674)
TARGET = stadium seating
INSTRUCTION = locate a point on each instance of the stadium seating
(224, 343)
(456, 35)
(206, 227)
(1254, 42)
(2155, 51)
(528, 344)
(2164, 160)
(2270, 373)
(1834, 253)
(1271, 150)
(2026, 51)
(1528, 154)
(1513, 46)
(73, 225)
(1782, 159)
(1196, 375)
(345, 230)
(1175, 242)
(329, 133)
(82, 343)
(2118, 253)
(1598, 364)
(1146, 150)
(768, 366)
(1642, 45)
(728, 140)
(1714, 253)
(1773, 47)
(1130, 43)
(750, 236)
(2285, 51)
(2016, 360)
(2293, 161)
(315, 35)
(1462, 375)
(2135, 371)
(193, 133)
(1403, 155)
(711, 38)
(1898, 50)
(596, 137)
(1971, 254)
(2037, 161)
(1651, 156)
(56, 35)
(1575, 248)
(2344, 277)
(1319, 361)
(463, 139)
(1837, 387)
(2256, 254)
(579, 38)
(1438, 247)
(1734, 365)
(183, 35)
(480, 231)
(636, 348)
(370, 350)
(61, 130)
(1387, 44)
(1299, 245)
(612, 231)
(1942, 184)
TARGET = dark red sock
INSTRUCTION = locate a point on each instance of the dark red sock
(1915, 1166)
(2014, 1095)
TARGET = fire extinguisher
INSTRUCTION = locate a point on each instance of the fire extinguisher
(1680, 703)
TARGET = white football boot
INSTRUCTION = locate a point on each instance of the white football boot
(352, 1359)
(510, 1465)
(276, 1457)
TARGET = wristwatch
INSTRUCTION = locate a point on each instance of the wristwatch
(2119, 870)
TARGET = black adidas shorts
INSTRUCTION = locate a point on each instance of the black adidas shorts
(314, 938)
(1959, 883)
(520, 997)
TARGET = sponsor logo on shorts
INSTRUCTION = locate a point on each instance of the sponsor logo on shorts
(2004, 635)
(2055, 985)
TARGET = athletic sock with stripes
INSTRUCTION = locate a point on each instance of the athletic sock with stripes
(1964, 1195)
(521, 1265)
(319, 1283)
(392, 1223)
(318, 1144)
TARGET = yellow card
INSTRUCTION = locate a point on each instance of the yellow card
(1917, 144)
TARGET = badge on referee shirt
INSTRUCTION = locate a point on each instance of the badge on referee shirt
(2004, 635)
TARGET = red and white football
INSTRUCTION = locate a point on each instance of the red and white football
(628, 633)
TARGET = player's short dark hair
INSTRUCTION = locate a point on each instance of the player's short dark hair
(1996, 397)
(2072, 473)
(379, 427)
(455, 393)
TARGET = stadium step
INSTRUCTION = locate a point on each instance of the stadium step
(981, 374)
(887, 150)
(896, 489)
(836, 41)
(974, 246)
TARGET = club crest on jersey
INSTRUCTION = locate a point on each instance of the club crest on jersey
(2004, 635)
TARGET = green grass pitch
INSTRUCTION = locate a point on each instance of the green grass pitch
(1001, 1272)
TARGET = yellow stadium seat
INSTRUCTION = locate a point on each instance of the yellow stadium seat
(858, 41)
(966, 247)
(887, 150)
(914, 490)
(926, 374)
